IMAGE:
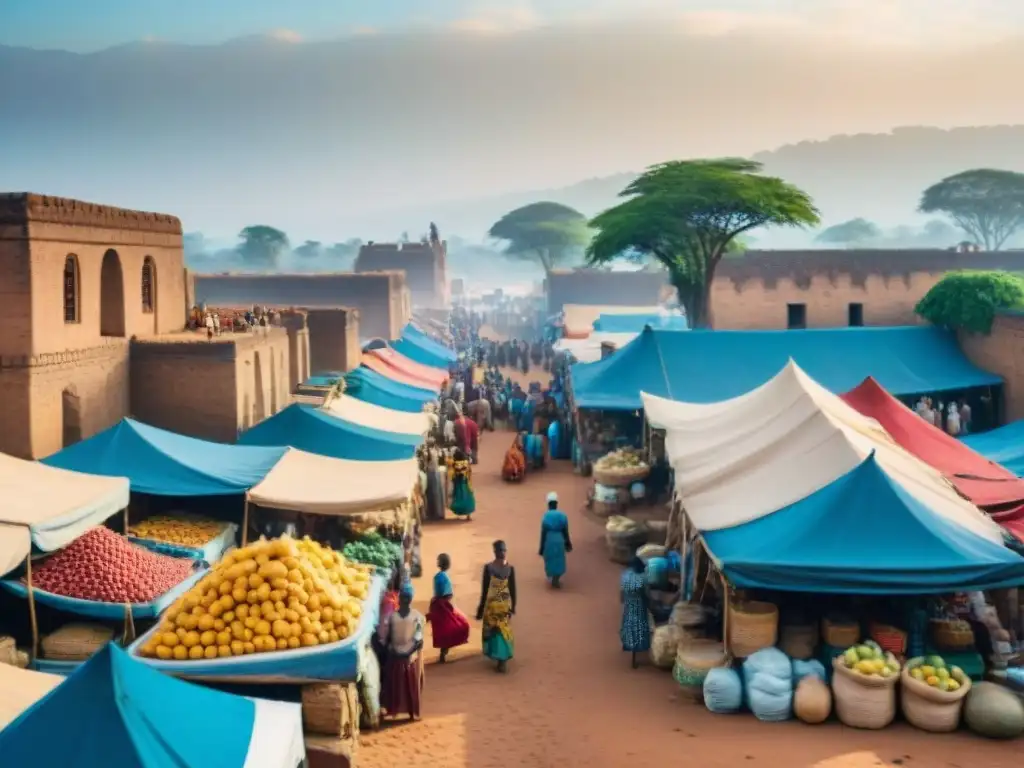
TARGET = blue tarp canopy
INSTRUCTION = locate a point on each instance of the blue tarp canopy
(373, 387)
(323, 379)
(114, 711)
(861, 534)
(315, 431)
(418, 346)
(164, 463)
(1003, 446)
(636, 323)
(704, 366)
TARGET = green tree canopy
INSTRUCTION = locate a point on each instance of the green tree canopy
(547, 232)
(969, 301)
(262, 246)
(985, 203)
(311, 249)
(852, 232)
(687, 215)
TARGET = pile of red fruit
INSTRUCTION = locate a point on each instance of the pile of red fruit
(100, 565)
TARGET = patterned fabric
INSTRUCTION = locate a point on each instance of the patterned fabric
(463, 499)
(635, 631)
(499, 643)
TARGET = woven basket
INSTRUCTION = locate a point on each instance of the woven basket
(929, 708)
(951, 635)
(753, 625)
(799, 641)
(617, 478)
(861, 701)
(688, 615)
(331, 709)
(76, 642)
(889, 638)
(840, 634)
(694, 659)
(8, 650)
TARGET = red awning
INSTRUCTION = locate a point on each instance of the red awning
(434, 377)
(375, 363)
(988, 485)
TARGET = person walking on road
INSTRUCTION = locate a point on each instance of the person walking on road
(635, 630)
(554, 541)
(497, 607)
(449, 624)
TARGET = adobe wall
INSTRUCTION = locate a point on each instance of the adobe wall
(602, 287)
(334, 339)
(424, 265)
(1002, 353)
(753, 292)
(381, 298)
(210, 389)
(294, 322)
(66, 380)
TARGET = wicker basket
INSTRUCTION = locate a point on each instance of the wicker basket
(951, 635)
(862, 701)
(623, 538)
(331, 709)
(618, 478)
(753, 625)
(840, 634)
(76, 642)
(928, 708)
(694, 659)
(688, 615)
(799, 641)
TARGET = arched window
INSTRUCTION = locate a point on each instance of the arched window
(71, 289)
(148, 284)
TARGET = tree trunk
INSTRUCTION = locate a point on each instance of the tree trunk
(690, 296)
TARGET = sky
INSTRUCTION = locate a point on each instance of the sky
(89, 25)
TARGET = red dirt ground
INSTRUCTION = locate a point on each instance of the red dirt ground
(570, 697)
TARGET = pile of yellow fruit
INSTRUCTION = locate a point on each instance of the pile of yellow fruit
(267, 596)
(869, 659)
(185, 532)
(932, 671)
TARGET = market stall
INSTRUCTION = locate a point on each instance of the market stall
(316, 430)
(116, 711)
(422, 375)
(831, 554)
(1004, 445)
(377, 417)
(372, 387)
(419, 346)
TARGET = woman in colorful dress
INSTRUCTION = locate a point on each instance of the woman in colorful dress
(635, 631)
(403, 672)
(497, 607)
(460, 472)
(450, 626)
(513, 468)
(554, 541)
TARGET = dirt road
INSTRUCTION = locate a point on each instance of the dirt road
(570, 698)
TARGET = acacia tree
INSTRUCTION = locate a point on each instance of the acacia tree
(852, 232)
(546, 232)
(311, 249)
(985, 203)
(688, 214)
(262, 245)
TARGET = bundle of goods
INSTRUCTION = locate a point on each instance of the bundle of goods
(812, 701)
(620, 469)
(102, 566)
(994, 712)
(811, 668)
(10, 655)
(891, 639)
(606, 500)
(951, 634)
(840, 631)
(799, 640)
(723, 691)
(76, 642)
(185, 532)
(864, 685)
(270, 595)
(753, 625)
(933, 694)
(623, 537)
(374, 549)
(665, 646)
(768, 682)
(694, 659)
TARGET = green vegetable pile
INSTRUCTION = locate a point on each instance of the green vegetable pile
(373, 549)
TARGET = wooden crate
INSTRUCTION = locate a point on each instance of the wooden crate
(331, 709)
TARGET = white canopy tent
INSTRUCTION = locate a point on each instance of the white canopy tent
(20, 689)
(377, 417)
(741, 459)
(307, 482)
(49, 507)
(588, 350)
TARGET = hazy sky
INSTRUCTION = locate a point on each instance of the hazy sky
(85, 25)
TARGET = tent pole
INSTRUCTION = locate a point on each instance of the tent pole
(245, 522)
(32, 609)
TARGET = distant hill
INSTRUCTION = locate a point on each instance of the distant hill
(878, 176)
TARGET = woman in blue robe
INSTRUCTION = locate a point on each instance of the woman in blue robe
(554, 541)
